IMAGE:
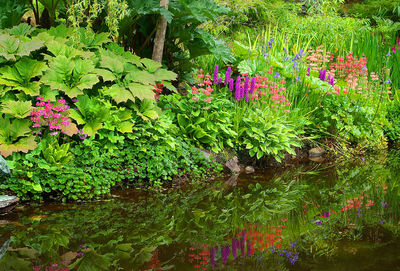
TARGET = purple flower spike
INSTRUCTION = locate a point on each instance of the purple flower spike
(216, 74)
(237, 89)
(252, 85)
(322, 75)
(246, 89)
(308, 71)
(231, 84)
(227, 76)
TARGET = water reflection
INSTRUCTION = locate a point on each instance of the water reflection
(300, 220)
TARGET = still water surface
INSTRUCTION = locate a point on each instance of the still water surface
(312, 216)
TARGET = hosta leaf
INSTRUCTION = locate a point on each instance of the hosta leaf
(163, 74)
(18, 109)
(142, 91)
(151, 65)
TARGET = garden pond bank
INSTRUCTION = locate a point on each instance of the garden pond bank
(313, 216)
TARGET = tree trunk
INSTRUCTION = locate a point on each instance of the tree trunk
(159, 40)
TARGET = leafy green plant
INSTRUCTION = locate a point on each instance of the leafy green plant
(15, 136)
(265, 135)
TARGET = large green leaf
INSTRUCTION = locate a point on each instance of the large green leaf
(151, 65)
(163, 74)
(12, 47)
(18, 109)
(91, 261)
(71, 76)
(91, 113)
(20, 75)
(142, 91)
(119, 93)
(15, 136)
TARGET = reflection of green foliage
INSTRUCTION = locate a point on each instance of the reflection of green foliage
(205, 213)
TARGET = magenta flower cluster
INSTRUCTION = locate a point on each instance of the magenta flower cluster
(48, 114)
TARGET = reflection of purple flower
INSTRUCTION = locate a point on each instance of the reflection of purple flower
(249, 252)
(277, 75)
(225, 251)
(242, 250)
(212, 255)
(235, 244)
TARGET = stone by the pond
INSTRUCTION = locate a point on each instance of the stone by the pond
(249, 169)
(7, 203)
(233, 165)
(317, 159)
(315, 152)
(4, 169)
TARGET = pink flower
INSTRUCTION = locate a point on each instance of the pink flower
(61, 100)
(287, 111)
(40, 98)
(195, 98)
(207, 100)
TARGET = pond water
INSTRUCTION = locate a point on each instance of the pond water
(312, 216)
